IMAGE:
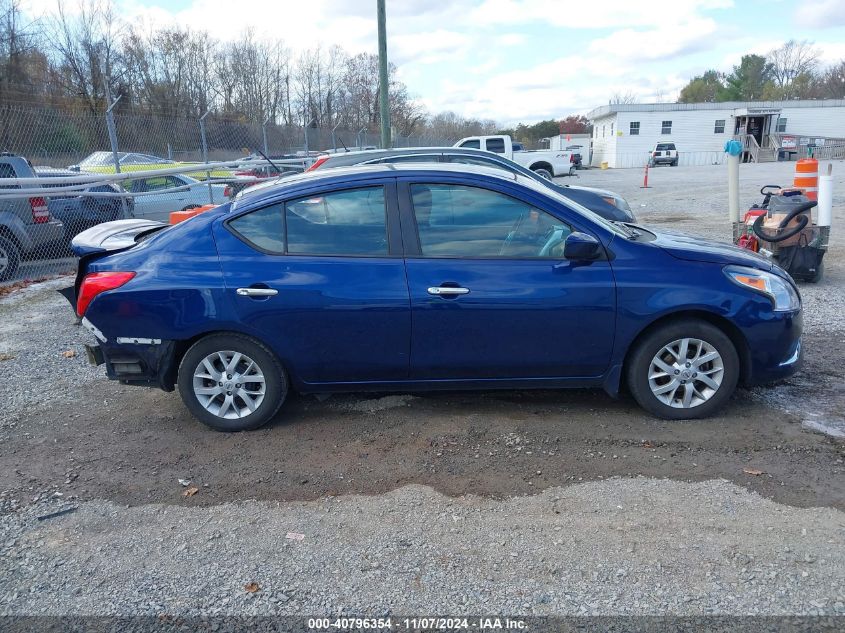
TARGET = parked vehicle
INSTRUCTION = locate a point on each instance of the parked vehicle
(607, 204)
(408, 277)
(26, 226)
(103, 163)
(547, 163)
(158, 206)
(664, 154)
(79, 211)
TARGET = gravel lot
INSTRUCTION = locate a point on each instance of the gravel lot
(496, 502)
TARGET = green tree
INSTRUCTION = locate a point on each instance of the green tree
(707, 87)
(748, 80)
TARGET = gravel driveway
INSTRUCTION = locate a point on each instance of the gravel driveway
(531, 503)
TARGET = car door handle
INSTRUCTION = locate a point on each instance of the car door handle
(257, 292)
(448, 291)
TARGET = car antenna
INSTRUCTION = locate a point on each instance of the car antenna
(272, 164)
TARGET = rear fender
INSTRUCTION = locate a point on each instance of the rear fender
(12, 223)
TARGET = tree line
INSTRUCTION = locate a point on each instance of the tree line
(791, 71)
(77, 61)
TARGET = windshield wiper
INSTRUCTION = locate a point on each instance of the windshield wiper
(627, 229)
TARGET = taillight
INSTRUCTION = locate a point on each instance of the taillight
(95, 283)
(40, 212)
(227, 191)
(317, 163)
(572, 158)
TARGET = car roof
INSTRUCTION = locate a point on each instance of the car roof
(362, 172)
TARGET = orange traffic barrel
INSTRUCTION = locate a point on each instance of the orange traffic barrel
(180, 216)
(807, 177)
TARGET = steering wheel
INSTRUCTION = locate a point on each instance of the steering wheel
(774, 237)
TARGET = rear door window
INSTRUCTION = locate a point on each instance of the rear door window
(349, 222)
(263, 228)
(473, 144)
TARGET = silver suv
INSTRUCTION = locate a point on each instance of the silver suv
(26, 225)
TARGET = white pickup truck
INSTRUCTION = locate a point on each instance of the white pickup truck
(547, 163)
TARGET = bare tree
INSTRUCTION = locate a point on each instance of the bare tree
(85, 46)
(626, 97)
(792, 60)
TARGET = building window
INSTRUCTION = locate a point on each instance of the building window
(635, 128)
(666, 128)
(611, 129)
(781, 127)
(602, 131)
(719, 127)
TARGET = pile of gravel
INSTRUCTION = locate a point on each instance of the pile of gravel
(621, 546)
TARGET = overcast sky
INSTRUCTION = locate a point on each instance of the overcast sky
(522, 60)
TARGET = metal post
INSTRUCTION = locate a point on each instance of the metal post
(169, 152)
(382, 75)
(334, 142)
(112, 128)
(205, 156)
(264, 133)
(360, 138)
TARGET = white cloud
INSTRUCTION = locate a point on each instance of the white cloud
(604, 14)
(820, 14)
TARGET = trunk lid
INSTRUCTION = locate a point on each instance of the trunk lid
(110, 237)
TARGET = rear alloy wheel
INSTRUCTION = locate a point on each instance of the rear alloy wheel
(543, 173)
(231, 382)
(10, 257)
(684, 370)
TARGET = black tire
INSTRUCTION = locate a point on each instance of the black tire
(10, 257)
(674, 163)
(543, 173)
(639, 366)
(275, 381)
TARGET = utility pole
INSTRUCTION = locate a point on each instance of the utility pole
(382, 76)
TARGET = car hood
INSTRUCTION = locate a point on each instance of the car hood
(699, 249)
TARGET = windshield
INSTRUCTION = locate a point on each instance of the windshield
(553, 193)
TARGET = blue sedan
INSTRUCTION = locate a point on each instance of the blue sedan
(420, 277)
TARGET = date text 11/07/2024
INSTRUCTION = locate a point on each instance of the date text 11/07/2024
(420, 623)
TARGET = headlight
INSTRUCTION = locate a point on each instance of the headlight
(783, 294)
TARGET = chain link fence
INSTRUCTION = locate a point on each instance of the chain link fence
(37, 222)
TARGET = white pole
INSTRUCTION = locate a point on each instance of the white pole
(733, 188)
(733, 149)
(826, 197)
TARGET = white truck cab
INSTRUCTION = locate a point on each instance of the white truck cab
(544, 162)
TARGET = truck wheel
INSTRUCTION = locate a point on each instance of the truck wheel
(543, 173)
(10, 257)
(674, 163)
(684, 370)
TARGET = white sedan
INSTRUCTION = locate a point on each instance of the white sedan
(158, 206)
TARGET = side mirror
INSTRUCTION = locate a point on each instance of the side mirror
(580, 247)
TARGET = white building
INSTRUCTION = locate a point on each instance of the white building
(625, 134)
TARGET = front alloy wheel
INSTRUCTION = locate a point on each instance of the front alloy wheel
(683, 369)
(686, 373)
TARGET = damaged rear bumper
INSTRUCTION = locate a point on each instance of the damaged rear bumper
(142, 363)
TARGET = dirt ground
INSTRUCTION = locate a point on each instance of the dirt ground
(133, 445)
